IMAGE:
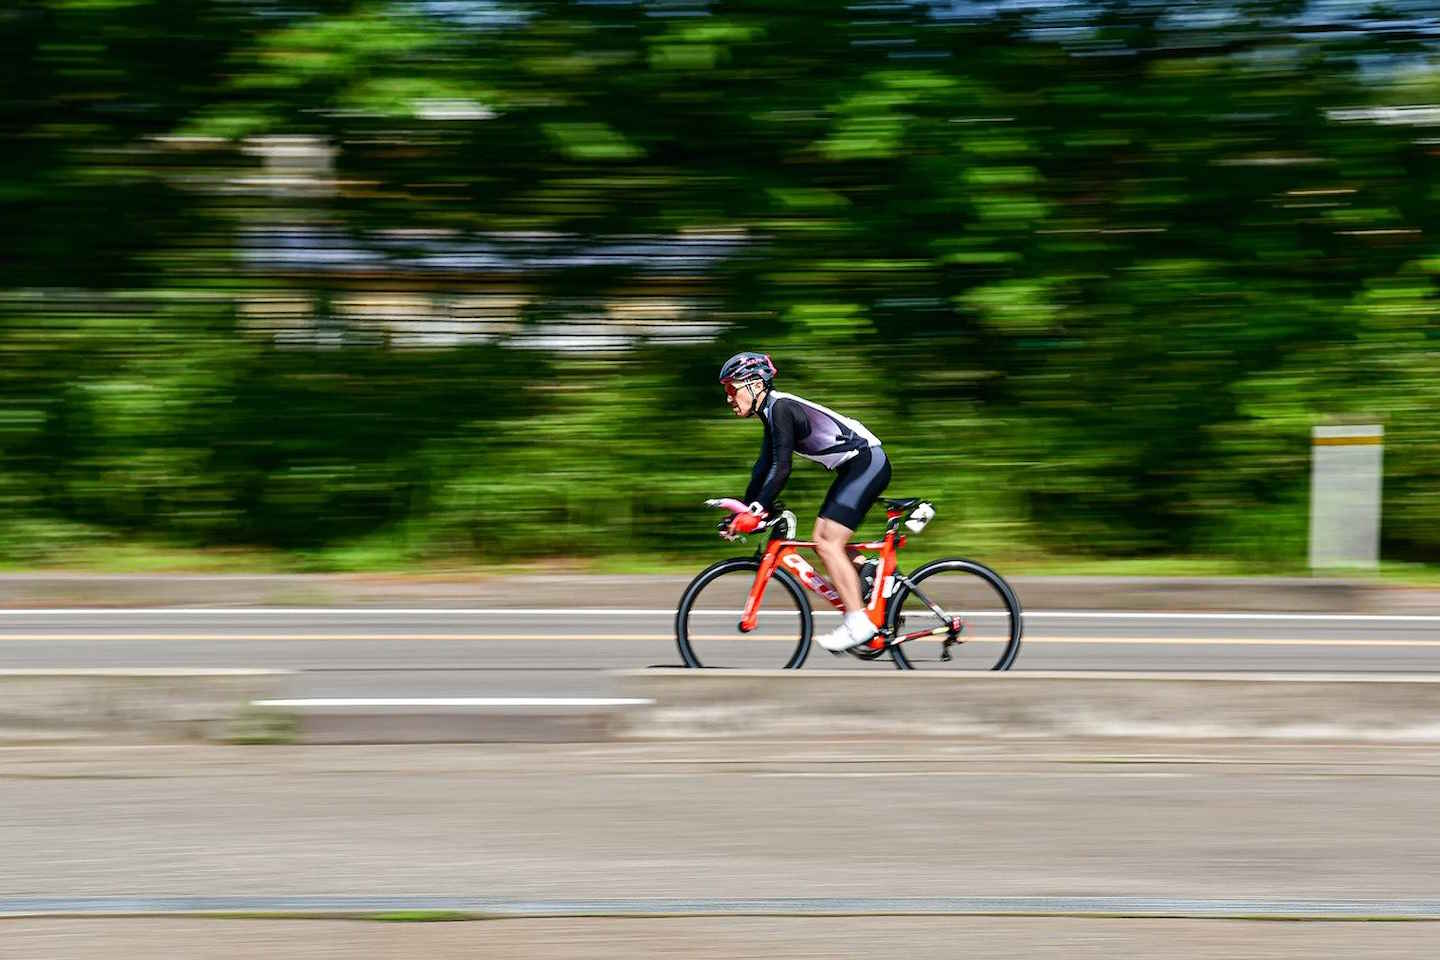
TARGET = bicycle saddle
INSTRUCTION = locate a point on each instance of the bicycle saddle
(909, 504)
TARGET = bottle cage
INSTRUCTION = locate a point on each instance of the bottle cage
(787, 525)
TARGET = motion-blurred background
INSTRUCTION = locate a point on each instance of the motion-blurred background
(302, 284)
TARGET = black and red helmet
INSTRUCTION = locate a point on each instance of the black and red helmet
(747, 366)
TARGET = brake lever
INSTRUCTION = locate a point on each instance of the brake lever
(723, 527)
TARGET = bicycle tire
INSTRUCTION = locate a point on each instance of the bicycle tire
(743, 565)
(1008, 636)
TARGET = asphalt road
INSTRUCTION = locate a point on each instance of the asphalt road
(682, 820)
(485, 652)
(722, 822)
(774, 938)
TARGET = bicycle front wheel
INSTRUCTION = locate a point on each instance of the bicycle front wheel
(707, 624)
(970, 616)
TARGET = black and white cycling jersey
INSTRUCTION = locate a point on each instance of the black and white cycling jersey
(796, 425)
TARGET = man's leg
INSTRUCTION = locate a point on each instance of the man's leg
(831, 538)
(857, 484)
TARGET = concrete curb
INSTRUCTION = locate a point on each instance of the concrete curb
(144, 705)
(172, 705)
(709, 704)
(681, 704)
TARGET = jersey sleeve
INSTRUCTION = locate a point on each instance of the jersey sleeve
(761, 470)
(787, 425)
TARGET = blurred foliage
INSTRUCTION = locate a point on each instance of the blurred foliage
(1091, 270)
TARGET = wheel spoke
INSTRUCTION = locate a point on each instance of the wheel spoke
(940, 614)
(708, 622)
(978, 616)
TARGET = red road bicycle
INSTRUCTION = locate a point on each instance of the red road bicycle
(751, 612)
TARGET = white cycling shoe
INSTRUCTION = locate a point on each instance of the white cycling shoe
(854, 630)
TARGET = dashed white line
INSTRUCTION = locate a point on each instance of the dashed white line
(992, 774)
(1352, 909)
(455, 702)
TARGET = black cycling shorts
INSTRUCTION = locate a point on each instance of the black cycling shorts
(858, 482)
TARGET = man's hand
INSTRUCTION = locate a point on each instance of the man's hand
(746, 519)
(742, 523)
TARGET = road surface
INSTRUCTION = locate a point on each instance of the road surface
(774, 938)
(423, 651)
(723, 820)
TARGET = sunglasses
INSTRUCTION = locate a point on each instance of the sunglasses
(732, 388)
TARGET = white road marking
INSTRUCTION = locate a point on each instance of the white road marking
(890, 774)
(1351, 909)
(455, 702)
(141, 672)
(1234, 641)
(934, 774)
(1201, 615)
(668, 612)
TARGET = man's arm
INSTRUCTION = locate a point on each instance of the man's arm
(786, 424)
(762, 468)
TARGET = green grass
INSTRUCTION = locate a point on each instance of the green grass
(262, 727)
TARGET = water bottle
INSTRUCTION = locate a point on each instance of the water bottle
(922, 515)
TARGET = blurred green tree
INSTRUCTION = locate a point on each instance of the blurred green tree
(379, 281)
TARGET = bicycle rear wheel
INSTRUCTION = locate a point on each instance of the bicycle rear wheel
(974, 613)
(707, 623)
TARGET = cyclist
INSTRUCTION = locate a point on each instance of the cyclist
(796, 425)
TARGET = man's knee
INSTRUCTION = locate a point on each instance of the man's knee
(831, 536)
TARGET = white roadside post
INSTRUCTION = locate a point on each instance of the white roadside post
(1345, 495)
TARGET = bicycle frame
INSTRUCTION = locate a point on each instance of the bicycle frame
(780, 552)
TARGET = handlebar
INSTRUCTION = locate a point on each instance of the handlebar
(778, 515)
(916, 520)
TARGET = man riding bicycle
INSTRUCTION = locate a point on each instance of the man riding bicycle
(838, 443)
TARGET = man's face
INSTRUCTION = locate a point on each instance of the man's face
(741, 398)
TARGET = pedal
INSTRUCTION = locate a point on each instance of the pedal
(871, 649)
